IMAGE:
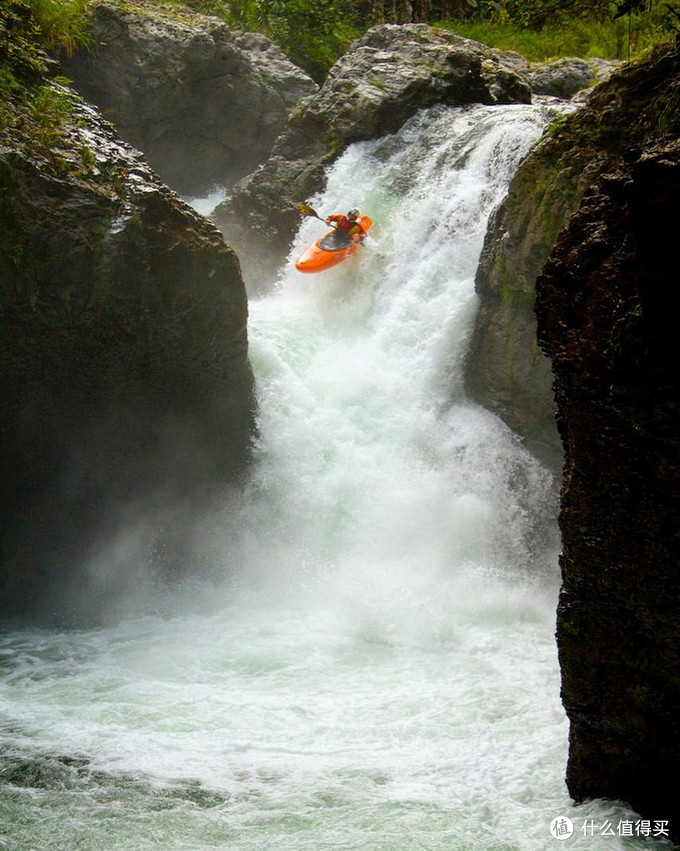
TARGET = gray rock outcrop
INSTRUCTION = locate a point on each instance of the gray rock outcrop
(204, 103)
(506, 371)
(387, 75)
(562, 78)
(125, 387)
(567, 78)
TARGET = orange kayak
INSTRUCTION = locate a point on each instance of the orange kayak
(330, 249)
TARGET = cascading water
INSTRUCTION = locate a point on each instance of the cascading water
(377, 669)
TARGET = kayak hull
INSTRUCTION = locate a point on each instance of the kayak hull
(317, 259)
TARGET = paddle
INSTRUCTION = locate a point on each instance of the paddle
(306, 210)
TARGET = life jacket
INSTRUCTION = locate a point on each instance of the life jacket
(347, 225)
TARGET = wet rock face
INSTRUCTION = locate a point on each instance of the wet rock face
(607, 305)
(505, 371)
(205, 104)
(125, 388)
(385, 78)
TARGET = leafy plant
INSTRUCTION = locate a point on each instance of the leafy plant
(62, 23)
(607, 39)
(41, 107)
(51, 109)
(313, 34)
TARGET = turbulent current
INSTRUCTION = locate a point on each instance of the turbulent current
(376, 667)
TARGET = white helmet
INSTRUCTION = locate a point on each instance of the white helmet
(353, 213)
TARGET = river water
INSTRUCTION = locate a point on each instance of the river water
(375, 667)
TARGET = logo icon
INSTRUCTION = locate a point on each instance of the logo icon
(561, 827)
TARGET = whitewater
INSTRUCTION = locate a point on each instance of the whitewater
(374, 665)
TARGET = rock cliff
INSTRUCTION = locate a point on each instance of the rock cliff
(607, 307)
(125, 388)
(385, 77)
(506, 372)
(204, 103)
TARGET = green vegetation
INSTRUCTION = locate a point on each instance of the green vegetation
(49, 110)
(609, 38)
(29, 32)
(61, 23)
(314, 34)
(34, 103)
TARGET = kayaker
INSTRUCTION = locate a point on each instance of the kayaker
(348, 224)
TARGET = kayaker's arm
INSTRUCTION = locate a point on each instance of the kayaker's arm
(348, 224)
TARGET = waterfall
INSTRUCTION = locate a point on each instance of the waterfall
(375, 668)
(376, 474)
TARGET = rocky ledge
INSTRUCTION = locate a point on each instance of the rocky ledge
(125, 387)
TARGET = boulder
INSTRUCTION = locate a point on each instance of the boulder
(125, 389)
(385, 77)
(204, 103)
(562, 78)
(393, 71)
(567, 78)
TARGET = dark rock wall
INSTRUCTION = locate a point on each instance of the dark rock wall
(125, 388)
(608, 303)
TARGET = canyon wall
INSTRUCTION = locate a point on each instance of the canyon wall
(607, 307)
(126, 395)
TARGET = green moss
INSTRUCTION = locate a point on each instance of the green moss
(334, 147)
(513, 298)
(50, 112)
(568, 629)
(556, 127)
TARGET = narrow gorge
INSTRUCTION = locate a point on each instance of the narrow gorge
(281, 556)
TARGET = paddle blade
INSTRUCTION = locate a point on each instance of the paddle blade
(306, 210)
